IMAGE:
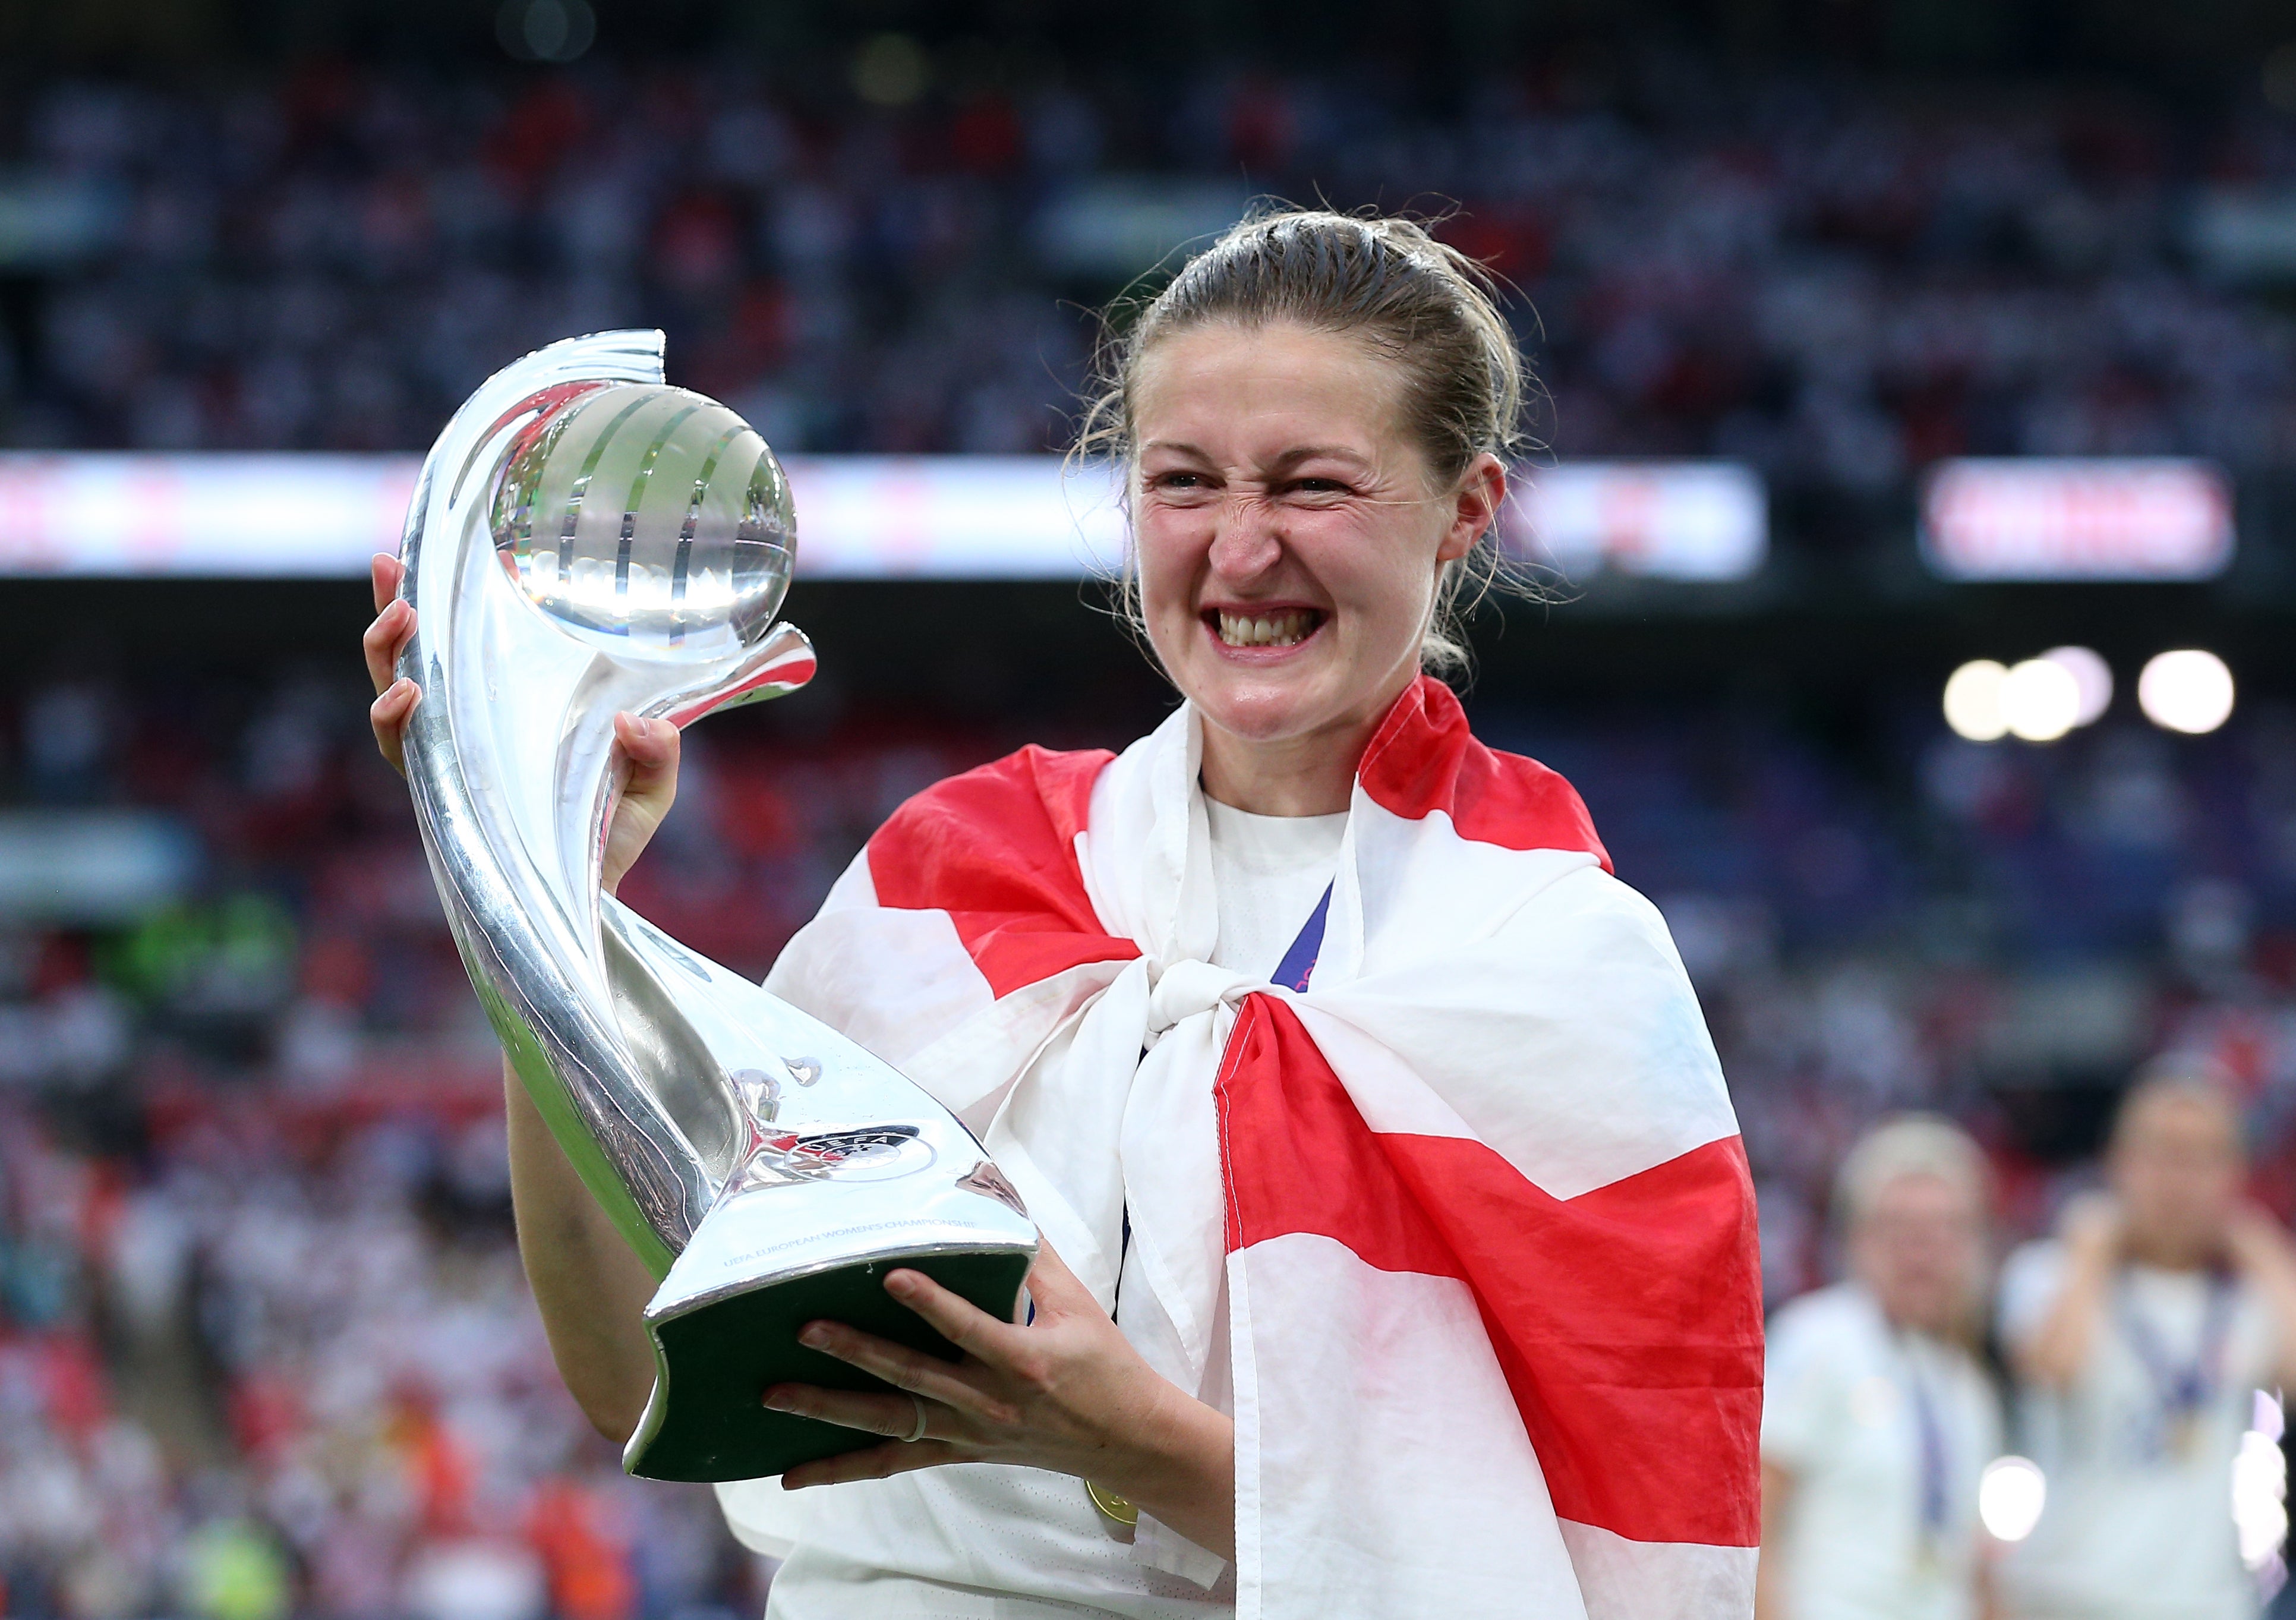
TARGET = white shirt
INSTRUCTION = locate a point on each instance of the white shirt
(987, 1542)
(2137, 1526)
(1270, 873)
(1843, 1406)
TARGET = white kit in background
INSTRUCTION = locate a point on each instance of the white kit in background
(2138, 1452)
(1886, 1432)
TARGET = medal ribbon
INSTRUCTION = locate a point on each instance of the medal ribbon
(2183, 1390)
(1932, 1431)
(1298, 963)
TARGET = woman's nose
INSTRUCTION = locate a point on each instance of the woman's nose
(1248, 540)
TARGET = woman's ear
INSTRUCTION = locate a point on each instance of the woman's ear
(1475, 511)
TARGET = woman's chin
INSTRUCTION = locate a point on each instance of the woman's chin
(1266, 707)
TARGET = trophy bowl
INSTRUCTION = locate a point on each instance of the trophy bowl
(585, 538)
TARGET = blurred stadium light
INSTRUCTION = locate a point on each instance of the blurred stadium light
(860, 517)
(1972, 701)
(321, 516)
(2139, 518)
(2040, 700)
(954, 517)
(2092, 678)
(2188, 690)
(1690, 521)
(253, 515)
(2010, 1496)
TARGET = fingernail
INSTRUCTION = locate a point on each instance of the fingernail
(814, 1336)
(777, 1402)
(901, 1284)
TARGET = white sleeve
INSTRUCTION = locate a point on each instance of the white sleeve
(1800, 1387)
(2255, 1339)
(763, 1516)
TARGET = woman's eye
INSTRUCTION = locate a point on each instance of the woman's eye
(1179, 480)
(1318, 486)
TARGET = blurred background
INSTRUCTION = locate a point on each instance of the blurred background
(1884, 345)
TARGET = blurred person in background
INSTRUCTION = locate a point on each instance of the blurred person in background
(1877, 1417)
(2138, 1336)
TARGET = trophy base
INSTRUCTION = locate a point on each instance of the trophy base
(713, 1363)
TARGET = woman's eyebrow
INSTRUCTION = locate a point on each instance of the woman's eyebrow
(1283, 463)
(1316, 452)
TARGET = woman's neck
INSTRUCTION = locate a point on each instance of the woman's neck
(1314, 775)
(1930, 1319)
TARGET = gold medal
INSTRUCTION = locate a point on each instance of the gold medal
(1112, 1506)
(2183, 1437)
(2185, 1391)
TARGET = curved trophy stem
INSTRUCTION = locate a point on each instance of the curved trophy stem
(585, 539)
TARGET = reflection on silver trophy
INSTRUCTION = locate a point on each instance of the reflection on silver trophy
(585, 539)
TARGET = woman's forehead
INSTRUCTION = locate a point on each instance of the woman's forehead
(1293, 382)
(1921, 1192)
(1270, 445)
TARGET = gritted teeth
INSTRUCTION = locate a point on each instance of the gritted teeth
(1280, 628)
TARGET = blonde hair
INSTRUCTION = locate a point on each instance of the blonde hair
(1908, 1145)
(1420, 303)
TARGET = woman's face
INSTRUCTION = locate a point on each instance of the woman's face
(1288, 528)
(1921, 1249)
(2177, 1165)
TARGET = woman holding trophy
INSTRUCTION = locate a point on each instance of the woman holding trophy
(1397, 1246)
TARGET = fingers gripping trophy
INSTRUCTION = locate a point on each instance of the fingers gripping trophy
(585, 539)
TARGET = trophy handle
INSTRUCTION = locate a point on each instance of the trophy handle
(487, 789)
(508, 759)
(783, 663)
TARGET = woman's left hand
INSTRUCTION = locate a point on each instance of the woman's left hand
(1067, 1393)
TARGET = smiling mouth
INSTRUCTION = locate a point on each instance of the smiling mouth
(1285, 627)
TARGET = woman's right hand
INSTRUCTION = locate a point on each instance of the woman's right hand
(646, 751)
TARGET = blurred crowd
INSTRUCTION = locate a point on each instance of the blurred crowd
(263, 1347)
(1834, 281)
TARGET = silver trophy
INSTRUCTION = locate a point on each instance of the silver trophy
(585, 538)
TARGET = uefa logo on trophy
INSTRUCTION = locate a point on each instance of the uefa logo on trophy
(584, 540)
